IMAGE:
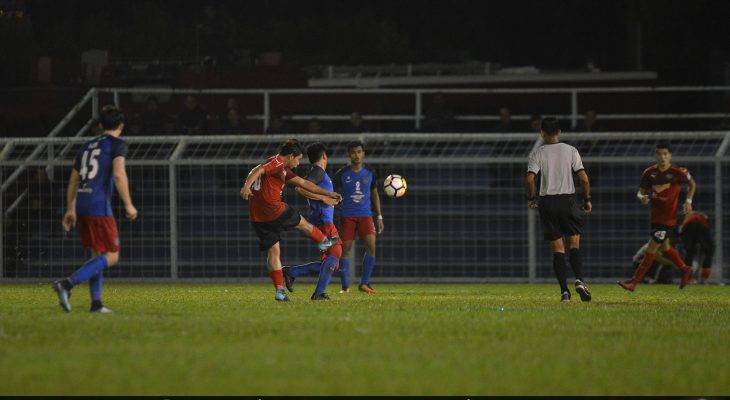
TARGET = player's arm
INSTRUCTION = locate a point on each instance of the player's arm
(586, 186)
(122, 183)
(531, 188)
(691, 189)
(69, 219)
(311, 187)
(313, 196)
(252, 177)
(375, 200)
(643, 195)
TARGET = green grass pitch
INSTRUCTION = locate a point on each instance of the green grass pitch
(503, 339)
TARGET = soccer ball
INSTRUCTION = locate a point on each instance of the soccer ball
(395, 186)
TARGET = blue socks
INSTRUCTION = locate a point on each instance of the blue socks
(325, 273)
(305, 269)
(368, 264)
(95, 286)
(88, 270)
(345, 272)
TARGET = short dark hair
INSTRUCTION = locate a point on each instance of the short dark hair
(355, 144)
(291, 146)
(663, 145)
(111, 117)
(316, 151)
(550, 126)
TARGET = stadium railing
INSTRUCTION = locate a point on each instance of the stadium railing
(464, 217)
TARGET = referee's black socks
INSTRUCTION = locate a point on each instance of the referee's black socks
(559, 267)
(576, 263)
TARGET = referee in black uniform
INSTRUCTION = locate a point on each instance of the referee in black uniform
(559, 212)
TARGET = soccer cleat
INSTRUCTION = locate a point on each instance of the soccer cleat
(582, 289)
(288, 279)
(365, 287)
(565, 297)
(101, 310)
(686, 277)
(281, 295)
(327, 243)
(629, 285)
(63, 296)
(321, 296)
(345, 290)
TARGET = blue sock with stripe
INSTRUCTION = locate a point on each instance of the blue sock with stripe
(304, 269)
(368, 264)
(88, 270)
(345, 272)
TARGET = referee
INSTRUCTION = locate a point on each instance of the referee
(559, 212)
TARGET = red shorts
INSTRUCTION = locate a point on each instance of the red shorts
(330, 230)
(363, 225)
(99, 233)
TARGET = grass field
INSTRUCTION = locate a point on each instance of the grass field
(410, 339)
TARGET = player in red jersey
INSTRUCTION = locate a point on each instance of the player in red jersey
(660, 186)
(697, 241)
(270, 216)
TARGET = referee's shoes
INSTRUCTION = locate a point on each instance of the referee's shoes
(582, 289)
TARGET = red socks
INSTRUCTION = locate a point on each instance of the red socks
(317, 235)
(278, 278)
(706, 273)
(643, 267)
(675, 258)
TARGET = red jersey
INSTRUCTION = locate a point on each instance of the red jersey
(664, 187)
(696, 217)
(265, 203)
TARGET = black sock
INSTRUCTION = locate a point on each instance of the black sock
(96, 304)
(66, 283)
(559, 267)
(576, 263)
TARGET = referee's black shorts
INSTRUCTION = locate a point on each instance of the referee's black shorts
(560, 216)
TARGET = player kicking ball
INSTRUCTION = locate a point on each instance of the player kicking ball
(98, 167)
(321, 214)
(660, 186)
(270, 216)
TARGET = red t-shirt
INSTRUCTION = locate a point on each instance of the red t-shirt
(696, 217)
(265, 203)
(664, 187)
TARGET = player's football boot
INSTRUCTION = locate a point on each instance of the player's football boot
(629, 284)
(565, 297)
(281, 295)
(101, 310)
(686, 277)
(327, 243)
(288, 279)
(583, 291)
(321, 296)
(345, 290)
(366, 288)
(63, 296)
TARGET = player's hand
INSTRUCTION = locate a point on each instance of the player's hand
(687, 207)
(131, 212)
(335, 195)
(381, 227)
(246, 192)
(69, 220)
(587, 207)
(644, 199)
(330, 201)
(532, 204)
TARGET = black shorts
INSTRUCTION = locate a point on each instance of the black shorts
(560, 216)
(662, 233)
(269, 233)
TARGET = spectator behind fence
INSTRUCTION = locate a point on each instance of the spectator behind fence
(438, 117)
(535, 121)
(590, 122)
(193, 120)
(152, 119)
(355, 124)
(314, 126)
(234, 123)
(277, 125)
(505, 124)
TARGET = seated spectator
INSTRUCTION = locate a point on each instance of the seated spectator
(193, 120)
(233, 123)
(535, 122)
(232, 103)
(505, 124)
(590, 122)
(355, 124)
(276, 125)
(314, 126)
(438, 117)
(152, 119)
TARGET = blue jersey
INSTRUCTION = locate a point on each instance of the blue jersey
(320, 213)
(355, 188)
(94, 165)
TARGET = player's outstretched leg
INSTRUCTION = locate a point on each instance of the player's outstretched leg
(676, 259)
(295, 271)
(646, 263)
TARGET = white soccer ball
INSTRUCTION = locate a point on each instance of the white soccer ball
(395, 186)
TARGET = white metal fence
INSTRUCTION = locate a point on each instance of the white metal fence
(463, 218)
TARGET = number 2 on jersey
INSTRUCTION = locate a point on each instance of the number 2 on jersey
(89, 165)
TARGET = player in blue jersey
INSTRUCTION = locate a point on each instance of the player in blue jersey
(357, 185)
(321, 215)
(98, 167)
